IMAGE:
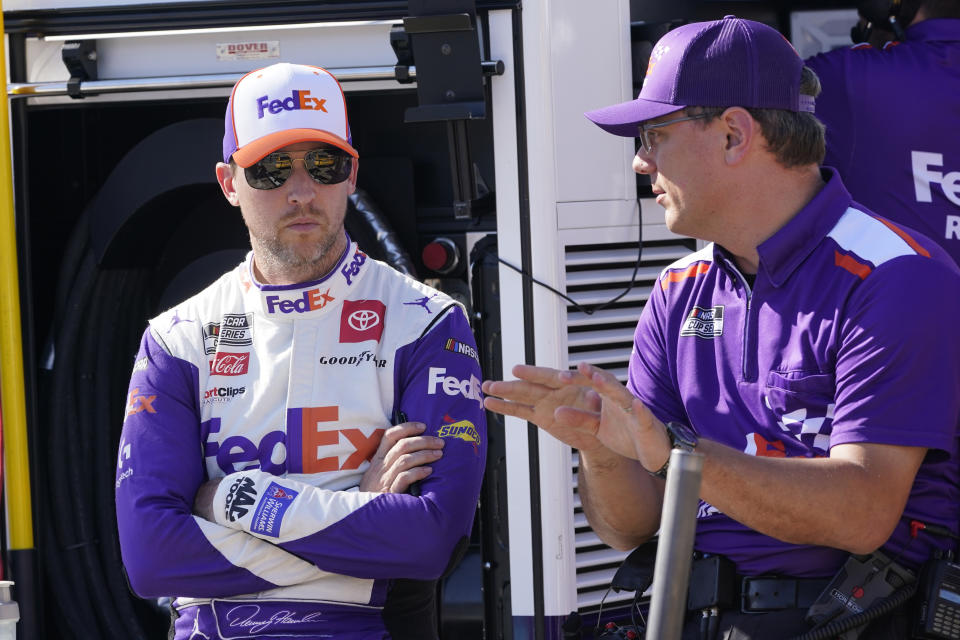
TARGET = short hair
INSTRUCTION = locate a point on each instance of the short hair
(941, 8)
(795, 138)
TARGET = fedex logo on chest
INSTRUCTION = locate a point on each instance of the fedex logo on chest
(298, 99)
(313, 440)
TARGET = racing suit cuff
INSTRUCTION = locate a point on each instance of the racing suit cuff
(235, 498)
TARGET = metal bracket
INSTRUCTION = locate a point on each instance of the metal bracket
(80, 58)
(450, 78)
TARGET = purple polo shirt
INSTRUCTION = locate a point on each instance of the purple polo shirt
(847, 335)
(893, 127)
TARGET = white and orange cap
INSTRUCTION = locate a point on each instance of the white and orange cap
(283, 104)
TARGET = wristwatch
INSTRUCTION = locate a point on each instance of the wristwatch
(682, 437)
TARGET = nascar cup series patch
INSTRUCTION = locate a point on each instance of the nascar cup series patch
(704, 322)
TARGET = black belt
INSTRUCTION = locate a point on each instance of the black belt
(715, 584)
(759, 594)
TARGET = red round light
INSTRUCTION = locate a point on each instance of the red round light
(435, 256)
(441, 255)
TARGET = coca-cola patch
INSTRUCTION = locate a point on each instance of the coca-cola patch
(226, 363)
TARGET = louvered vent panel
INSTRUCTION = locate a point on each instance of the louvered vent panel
(595, 273)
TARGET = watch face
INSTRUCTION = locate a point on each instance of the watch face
(683, 435)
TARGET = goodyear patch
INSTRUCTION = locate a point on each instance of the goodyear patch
(704, 322)
(461, 430)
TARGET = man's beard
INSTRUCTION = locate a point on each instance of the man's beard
(285, 255)
(301, 261)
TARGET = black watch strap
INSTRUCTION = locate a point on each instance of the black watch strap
(681, 437)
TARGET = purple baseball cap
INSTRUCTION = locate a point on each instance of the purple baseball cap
(724, 63)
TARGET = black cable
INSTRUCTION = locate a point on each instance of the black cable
(635, 609)
(598, 307)
(78, 507)
(875, 611)
(126, 289)
(68, 581)
(381, 233)
(85, 468)
(713, 624)
(69, 270)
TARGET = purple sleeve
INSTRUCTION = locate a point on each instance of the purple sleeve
(898, 362)
(159, 468)
(833, 107)
(369, 535)
(898, 383)
(652, 374)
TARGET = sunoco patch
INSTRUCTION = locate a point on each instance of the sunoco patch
(269, 514)
(705, 323)
(461, 430)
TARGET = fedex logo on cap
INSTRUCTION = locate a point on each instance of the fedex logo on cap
(280, 105)
(298, 99)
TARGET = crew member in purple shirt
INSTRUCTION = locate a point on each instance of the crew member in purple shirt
(892, 115)
(808, 351)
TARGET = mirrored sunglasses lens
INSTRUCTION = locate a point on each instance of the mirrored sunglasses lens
(271, 172)
(328, 167)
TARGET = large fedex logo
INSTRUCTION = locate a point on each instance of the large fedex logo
(298, 99)
(310, 444)
(928, 170)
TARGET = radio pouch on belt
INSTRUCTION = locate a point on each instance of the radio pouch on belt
(861, 582)
(713, 583)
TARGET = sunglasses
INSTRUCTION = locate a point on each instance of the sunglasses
(326, 166)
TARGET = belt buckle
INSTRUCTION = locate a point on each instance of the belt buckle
(760, 595)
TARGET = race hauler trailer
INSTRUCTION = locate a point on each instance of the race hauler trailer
(480, 176)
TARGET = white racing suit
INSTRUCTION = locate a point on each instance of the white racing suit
(287, 391)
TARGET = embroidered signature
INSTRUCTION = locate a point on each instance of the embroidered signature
(246, 617)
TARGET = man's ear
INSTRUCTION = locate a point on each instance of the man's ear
(225, 177)
(742, 134)
(355, 162)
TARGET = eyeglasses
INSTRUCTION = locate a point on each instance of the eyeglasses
(648, 137)
(326, 166)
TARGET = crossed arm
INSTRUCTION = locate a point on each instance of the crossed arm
(851, 500)
(402, 458)
(168, 550)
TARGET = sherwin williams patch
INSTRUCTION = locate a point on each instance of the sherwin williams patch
(272, 506)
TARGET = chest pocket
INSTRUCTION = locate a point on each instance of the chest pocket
(802, 404)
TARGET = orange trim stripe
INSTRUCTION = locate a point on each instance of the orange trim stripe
(690, 272)
(858, 269)
(906, 238)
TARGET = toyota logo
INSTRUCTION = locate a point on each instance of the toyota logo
(363, 319)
